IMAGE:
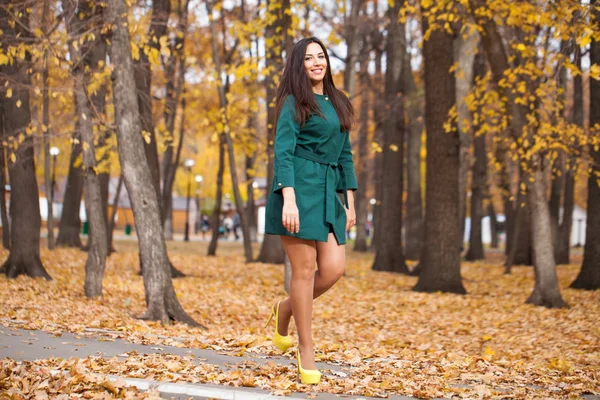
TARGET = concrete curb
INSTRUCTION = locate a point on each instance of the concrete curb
(208, 390)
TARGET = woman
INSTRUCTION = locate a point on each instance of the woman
(313, 163)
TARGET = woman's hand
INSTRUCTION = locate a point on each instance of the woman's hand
(290, 217)
(350, 212)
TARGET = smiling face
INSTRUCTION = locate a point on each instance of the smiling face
(315, 62)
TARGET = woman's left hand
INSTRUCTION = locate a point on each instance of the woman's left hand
(350, 216)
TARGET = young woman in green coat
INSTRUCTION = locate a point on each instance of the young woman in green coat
(313, 166)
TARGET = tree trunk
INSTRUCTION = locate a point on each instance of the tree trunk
(478, 175)
(440, 262)
(173, 94)
(3, 211)
(79, 21)
(230, 150)
(114, 214)
(589, 276)
(414, 196)
(564, 230)
(70, 223)
(287, 275)
(378, 138)
(351, 39)
(49, 183)
(216, 215)
(493, 224)
(546, 291)
(161, 301)
(389, 256)
(475, 251)
(143, 81)
(250, 203)
(24, 255)
(361, 200)
(272, 250)
(465, 46)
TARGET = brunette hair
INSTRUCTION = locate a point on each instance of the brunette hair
(295, 81)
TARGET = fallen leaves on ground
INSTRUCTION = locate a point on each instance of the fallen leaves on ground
(35, 380)
(387, 338)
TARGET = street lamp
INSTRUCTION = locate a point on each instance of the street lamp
(189, 163)
(198, 221)
(54, 151)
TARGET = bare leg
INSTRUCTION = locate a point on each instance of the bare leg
(331, 260)
(303, 255)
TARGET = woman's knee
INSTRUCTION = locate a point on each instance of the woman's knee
(333, 271)
(303, 270)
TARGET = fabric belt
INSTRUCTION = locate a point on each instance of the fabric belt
(330, 183)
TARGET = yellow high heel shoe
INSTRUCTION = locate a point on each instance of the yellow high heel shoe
(308, 376)
(281, 342)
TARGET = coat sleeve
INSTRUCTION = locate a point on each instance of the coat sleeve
(285, 143)
(345, 159)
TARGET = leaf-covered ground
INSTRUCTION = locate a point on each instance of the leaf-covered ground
(488, 343)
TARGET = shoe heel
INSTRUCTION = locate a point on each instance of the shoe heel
(281, 342)
(307, 376)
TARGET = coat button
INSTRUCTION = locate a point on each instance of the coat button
(279, 184)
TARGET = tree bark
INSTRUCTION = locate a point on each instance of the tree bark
(491, 212)
(589, 275)
(250, 203)
(216, 215)
(389, 256)
(478, 175)
(414, 197)
(24, 255)
(465, 46)
(351, 27)
(3, 210)
(173, 93)
(78, 21)
(360, 199)
(111, 228)
(162, 303)
(566, 225)
(546, 291)
(230, 150)
(70, 223)
(475, 251)
(440, 262)
(378, 138)
(143, 82)
(272, 250)
(49, 183)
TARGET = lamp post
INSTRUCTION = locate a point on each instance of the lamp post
(54, 151)
(189, 163)
(198, 219)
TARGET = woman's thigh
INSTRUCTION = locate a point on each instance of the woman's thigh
(331, 257)
(302, 254)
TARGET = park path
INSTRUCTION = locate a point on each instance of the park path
(31, 345)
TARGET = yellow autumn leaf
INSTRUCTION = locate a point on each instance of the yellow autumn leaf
(8, 93)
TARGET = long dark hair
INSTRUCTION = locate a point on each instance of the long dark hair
(295, 81)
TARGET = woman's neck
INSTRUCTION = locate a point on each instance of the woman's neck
(318, 87)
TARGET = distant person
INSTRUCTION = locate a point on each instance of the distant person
(204, 225)
(228, 225)
(236, 225)
(312, 154)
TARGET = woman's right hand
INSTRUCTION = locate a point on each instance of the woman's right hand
(290, 217)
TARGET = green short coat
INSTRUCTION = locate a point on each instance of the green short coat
(316, 160)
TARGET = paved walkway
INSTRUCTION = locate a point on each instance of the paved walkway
(26, 345)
